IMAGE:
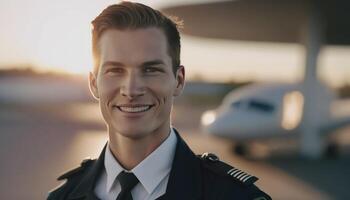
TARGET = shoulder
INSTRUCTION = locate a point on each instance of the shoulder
(70, 178)
(222, 181)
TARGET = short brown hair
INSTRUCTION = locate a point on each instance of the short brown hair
(129, 15)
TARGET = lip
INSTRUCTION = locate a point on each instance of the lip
(133, 106)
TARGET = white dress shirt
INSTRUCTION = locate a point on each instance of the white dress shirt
(153, 173)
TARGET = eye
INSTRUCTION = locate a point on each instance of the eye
(151, 70)
(115, 70)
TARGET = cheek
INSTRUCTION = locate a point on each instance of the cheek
(107, 88)
(163, 90)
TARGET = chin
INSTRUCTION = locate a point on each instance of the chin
(132, 132)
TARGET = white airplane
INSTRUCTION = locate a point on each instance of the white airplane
(267, 109)
(273, 110)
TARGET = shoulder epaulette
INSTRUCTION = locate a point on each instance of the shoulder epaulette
(86, 162)
(214, 163)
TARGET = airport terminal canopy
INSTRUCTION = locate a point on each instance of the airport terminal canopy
(265, 20)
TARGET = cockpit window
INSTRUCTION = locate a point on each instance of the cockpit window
(253, 104)
(236, 104)
(261, 106)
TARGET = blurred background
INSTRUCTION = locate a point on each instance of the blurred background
(49, 121)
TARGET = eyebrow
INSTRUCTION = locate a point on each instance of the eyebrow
(119, 64)
(112, 63)
(153, 62)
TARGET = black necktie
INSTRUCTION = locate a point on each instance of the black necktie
(127, 182)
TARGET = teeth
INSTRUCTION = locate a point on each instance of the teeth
(134, 109)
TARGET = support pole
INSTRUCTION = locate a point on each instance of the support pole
(311, 143)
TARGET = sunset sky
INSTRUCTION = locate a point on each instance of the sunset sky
(55, 35)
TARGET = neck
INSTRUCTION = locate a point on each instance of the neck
(131, 151)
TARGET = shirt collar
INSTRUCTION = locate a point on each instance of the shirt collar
(151, 171)
(113, 168)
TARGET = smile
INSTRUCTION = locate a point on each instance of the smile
(134, 108)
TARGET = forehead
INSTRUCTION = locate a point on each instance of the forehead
(133, 45)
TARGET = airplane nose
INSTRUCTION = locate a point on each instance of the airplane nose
(221, 124)
(213, 122)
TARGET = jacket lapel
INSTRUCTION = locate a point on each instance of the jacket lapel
(184, 180)
(185, 175)
(85, 189)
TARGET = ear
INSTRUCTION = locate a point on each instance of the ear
(180, 80)
(93, 85)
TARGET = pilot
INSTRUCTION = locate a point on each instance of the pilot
(136, 76)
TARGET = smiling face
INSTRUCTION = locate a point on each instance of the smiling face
(135, 83)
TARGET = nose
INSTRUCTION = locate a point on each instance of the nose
(133, 86)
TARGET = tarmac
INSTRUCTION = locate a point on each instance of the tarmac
(40, 141)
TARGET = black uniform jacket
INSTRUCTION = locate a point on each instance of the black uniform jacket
(191, 178)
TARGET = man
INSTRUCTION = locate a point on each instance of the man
(136, 76)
